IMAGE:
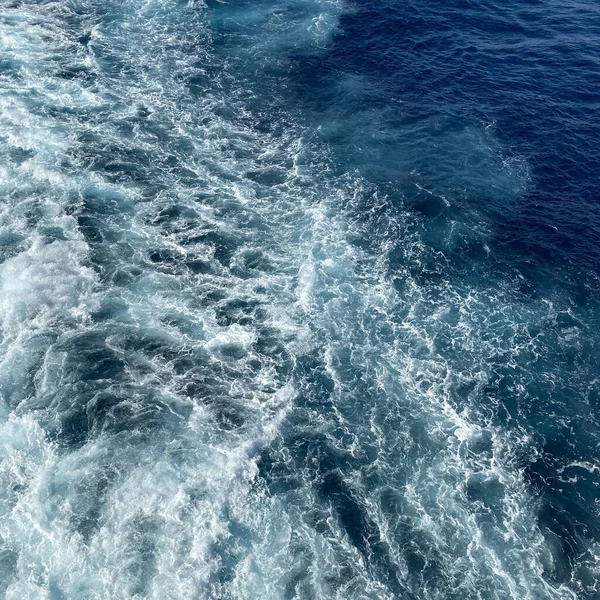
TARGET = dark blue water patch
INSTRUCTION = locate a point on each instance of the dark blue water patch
(11, 244)
(528, 70)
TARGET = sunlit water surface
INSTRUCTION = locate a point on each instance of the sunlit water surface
(299, 299)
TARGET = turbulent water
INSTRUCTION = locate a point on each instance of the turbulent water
(299, 299)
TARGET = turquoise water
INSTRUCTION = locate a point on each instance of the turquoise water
(299, 300)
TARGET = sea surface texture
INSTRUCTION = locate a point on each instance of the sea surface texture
(299, 299)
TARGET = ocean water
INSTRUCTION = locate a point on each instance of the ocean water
(299, 299)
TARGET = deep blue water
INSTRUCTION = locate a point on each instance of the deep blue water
(299, 299)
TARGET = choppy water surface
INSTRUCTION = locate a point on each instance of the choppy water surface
(299, 299)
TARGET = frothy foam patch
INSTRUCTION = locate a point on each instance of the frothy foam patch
(43, 283)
